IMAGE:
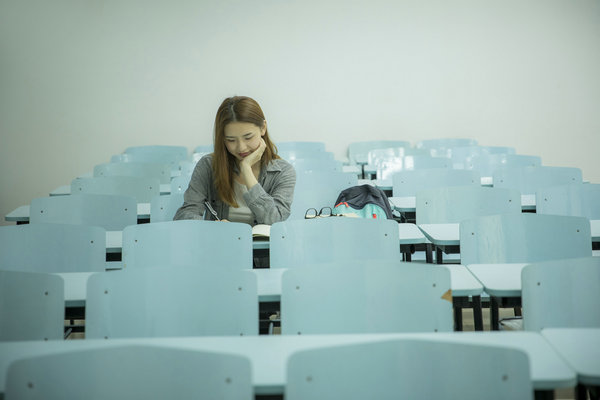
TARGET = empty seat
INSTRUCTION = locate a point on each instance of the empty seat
(522, 238)
(366, 297)
(130, 372)
(561, 294)
(164, 207)
(185, 243)
(32, 306)
(171, 302)
(142, 189)
(303, 242)
(408, 183)
(52, 248)
(409, 369)
(162, 172)
(111, 212)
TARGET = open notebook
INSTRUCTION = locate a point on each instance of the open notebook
(261, 231)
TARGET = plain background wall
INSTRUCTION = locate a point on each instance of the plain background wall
(81, 80)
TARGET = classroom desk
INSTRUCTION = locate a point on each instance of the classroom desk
(500, 281)
(408, 204)
(269, 354)
(580, 348)
(446, 237)
(165, 188)
(21, 214)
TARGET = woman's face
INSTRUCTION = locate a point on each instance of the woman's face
(242, 138)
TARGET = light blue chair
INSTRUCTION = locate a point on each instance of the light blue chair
(388, 168)
(302, 165)
(32, 306)
(528, 180)
(180, 184)
(561, 294)
(579, 200)
(130, 371)
(461, 155)
(162, 172)
(487, 164)
(445, 143)
(456, 203)
(358, 151)
(523, 238)
(419, 369)
(142, 189)
(158, 151)
(208, 148)
(293, 155)
(110, 212)
(52, 248)
(317, 190)
(408, 183)
(171, 302)
(188, 243)
(303, 147)
(366, 296)
(164, 207)
(320, 240)
(374, 157)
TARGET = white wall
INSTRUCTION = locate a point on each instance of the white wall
(81, 80)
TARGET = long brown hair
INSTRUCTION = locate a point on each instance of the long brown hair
(236, 109)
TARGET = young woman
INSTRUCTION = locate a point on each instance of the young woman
(244, 180)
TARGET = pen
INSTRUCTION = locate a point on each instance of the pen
(212, 210)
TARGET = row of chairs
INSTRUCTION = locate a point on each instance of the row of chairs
(517, 237)
(322, 298)
(385, 369)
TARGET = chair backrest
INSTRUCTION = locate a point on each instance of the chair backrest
(153, 154)
(130, 371)
(307, 147)
(111, 212)
(388, 168)
(315, 164)
(487, 164)
(32, 306)
(358, 151)
(304, 242)
(419, 369)
(456, 203)
(408, 183)
(52, 248)
(365, 297)
(142, 189)
(164, 207)
(188, 243)
(206, 148)
(445, 143)
(523, 238)
(374, 157)
(171, 302)
(579, 200)
(162, 172)
(180, 152)
(561, 294)
(317, 190)
(180, 184)
(292, 155)
(530, 179)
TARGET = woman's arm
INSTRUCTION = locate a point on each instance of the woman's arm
(275, 205)
(197, 192)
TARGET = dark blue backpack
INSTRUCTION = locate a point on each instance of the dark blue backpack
(364, 201)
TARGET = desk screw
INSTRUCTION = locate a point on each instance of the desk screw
(309, 378)
(45, 293)
(504, 377)
(227, 380)
(30, 385)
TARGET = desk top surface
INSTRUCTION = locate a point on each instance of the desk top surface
(580, 347)
(501, 280)
(269, 353)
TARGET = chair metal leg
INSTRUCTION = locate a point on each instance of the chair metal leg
(494, 317)
(477, 313)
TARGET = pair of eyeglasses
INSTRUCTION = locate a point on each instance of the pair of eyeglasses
(324, 212)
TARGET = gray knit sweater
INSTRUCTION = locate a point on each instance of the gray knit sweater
(269, 201)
